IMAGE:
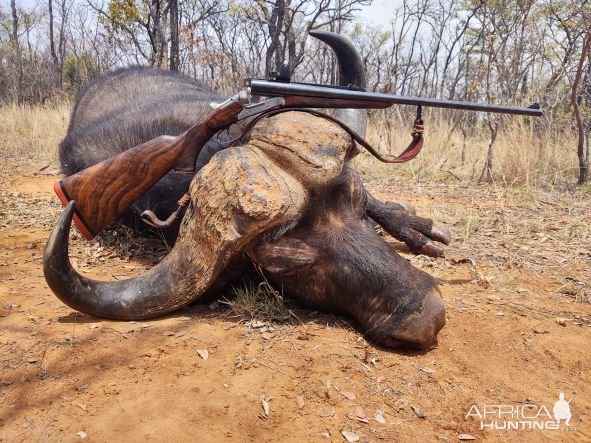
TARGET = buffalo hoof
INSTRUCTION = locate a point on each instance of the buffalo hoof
(420, 234)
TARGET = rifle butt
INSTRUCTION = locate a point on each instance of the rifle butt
(62, 194)
(104, 191)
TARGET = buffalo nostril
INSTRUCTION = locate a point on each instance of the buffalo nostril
(420, 329)
(434, 306)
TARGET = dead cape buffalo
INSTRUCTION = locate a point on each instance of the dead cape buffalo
(284, 200)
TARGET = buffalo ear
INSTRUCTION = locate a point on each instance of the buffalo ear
(284, 256)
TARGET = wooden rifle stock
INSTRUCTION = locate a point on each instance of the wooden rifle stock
(104, 191)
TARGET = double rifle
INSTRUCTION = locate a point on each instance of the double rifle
(104, 191)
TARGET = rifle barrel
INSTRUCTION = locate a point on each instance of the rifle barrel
(274, 88)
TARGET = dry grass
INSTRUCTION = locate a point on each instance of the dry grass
(522, 157)
(255, 299)
(32, 132)
(258, 300)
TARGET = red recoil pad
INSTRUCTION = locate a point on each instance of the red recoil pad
(62, 194)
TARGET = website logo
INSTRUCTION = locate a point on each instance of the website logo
(523, 416)
(562, 409)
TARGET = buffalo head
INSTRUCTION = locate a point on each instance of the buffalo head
(288, 201)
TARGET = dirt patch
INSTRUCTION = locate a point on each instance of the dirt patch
(517, 264)
(36, 185)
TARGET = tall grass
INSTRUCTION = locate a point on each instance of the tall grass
(32, 133)
(522, 156)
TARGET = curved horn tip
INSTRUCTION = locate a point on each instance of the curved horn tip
(120, 300)
(56, 260)
(351, 70)
(57, 244)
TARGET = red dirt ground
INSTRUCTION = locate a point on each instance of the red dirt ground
(516, 284)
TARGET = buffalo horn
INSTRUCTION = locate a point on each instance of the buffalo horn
(351, 73)
(151, 294)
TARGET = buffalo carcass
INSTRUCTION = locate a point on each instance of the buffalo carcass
(286, 200)
(130, 106)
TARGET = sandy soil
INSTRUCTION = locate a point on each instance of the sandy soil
(516, 283)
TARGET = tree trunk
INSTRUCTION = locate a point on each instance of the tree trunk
(575, 102)
(17, 51)
(157, 36)
(463, 155)
(163, 63)
(275, 26)
(52, 46)
(174, 36)
(587, 156)
(486, 175)
(62, 42)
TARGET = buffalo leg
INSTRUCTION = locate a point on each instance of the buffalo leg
(420, 234)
